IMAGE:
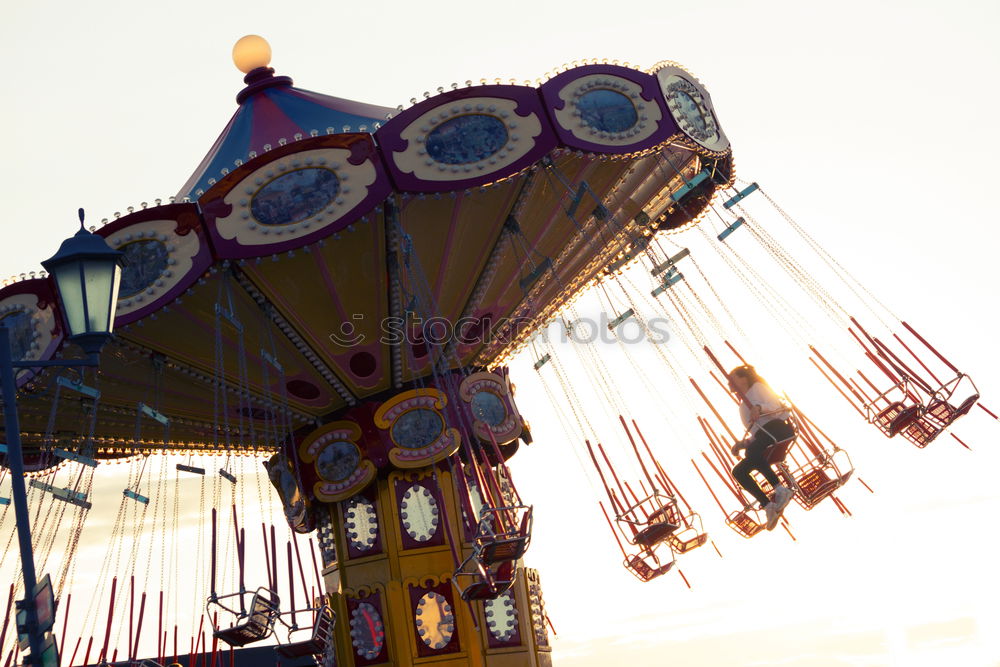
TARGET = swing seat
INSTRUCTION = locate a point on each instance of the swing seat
(257, 624)
(744, 524)
(317, 643)
(654, 533)
(776, 452)
(814, 486)
(493, 548)
(895, 417)
(680, 543)
(921, 432)
(643, 571)
(966, 405)
(486, 584)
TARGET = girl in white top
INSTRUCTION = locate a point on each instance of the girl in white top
(767, 420)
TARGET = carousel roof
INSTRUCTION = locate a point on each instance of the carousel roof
(317, 246)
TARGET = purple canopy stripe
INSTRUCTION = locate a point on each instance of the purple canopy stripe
(276, 109)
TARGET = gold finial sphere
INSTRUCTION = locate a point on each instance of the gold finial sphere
(251, 52)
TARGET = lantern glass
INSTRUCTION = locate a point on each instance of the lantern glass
(87, 274)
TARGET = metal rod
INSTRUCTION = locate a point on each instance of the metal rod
(15, 462)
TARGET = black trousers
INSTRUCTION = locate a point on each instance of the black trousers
(771, 432)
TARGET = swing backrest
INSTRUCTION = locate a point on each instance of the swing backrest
(258, 623)
(318, 641)
(493, 547)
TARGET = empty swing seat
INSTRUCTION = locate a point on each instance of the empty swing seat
(493, 548)
(814, 486)
(895, 417)
(317, 642)
(921, 432)
(643, 571)
(486, 585)
(258, 623)
(744, 524)
(659, 528)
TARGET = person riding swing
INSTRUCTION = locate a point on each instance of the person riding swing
(767, 421)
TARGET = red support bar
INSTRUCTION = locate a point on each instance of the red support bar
(312, 552)
(988, 411)
(291, 581)
(465, 494)
(724, 387)
(131, 613)
(726, 481)
(267, 557)
(138, 627)
(901, 368)
(717, 549)
(86, 655)
(710, 489)
(865, 484)
(214, 519)
(302, 572)
(161, 637)
(961, 442)
(604, 454)
(75, 649)
(917, 359)
(635, 448)
(62, 639)
(600, 472)
(680, 572)
(612, 527)
(835, 372)
(784, 524)
(635, 502)
(931, 348)
(738, 355)
(274, 560)
(239, 535)
(215, 641)
(838, 388)
(175, 643)
(714, 411)
(111, 610)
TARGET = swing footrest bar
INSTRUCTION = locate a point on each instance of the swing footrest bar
(67, 495)
(690, 185)
(73, 456)
(4, 501)
(78, 387)
(154, 414)
(195, 469)
(129, 493)
(740, 196)
(228, 475)
(731, 228)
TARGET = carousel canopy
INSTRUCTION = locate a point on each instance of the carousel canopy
(321, 239)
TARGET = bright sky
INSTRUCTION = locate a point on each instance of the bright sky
(871, 122)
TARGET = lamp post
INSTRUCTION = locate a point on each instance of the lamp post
(87, 273)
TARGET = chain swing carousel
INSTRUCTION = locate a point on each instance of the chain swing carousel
(290, 301)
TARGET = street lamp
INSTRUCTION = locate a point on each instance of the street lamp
(87, 273)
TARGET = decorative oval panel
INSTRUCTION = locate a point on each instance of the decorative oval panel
(419, 513)
(165, 251)
(367, 631)
(465, 138)
(501, 616)
(434, 620)
(608, 109)
(414, 421)
(360, 523)
(491, 407)
(294, 195)
(27, 310)
(340, 464)
(691, 106)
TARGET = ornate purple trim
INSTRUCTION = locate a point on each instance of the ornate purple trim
(390, 140)
(650, 87)
(214, 207)
(187, 221)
